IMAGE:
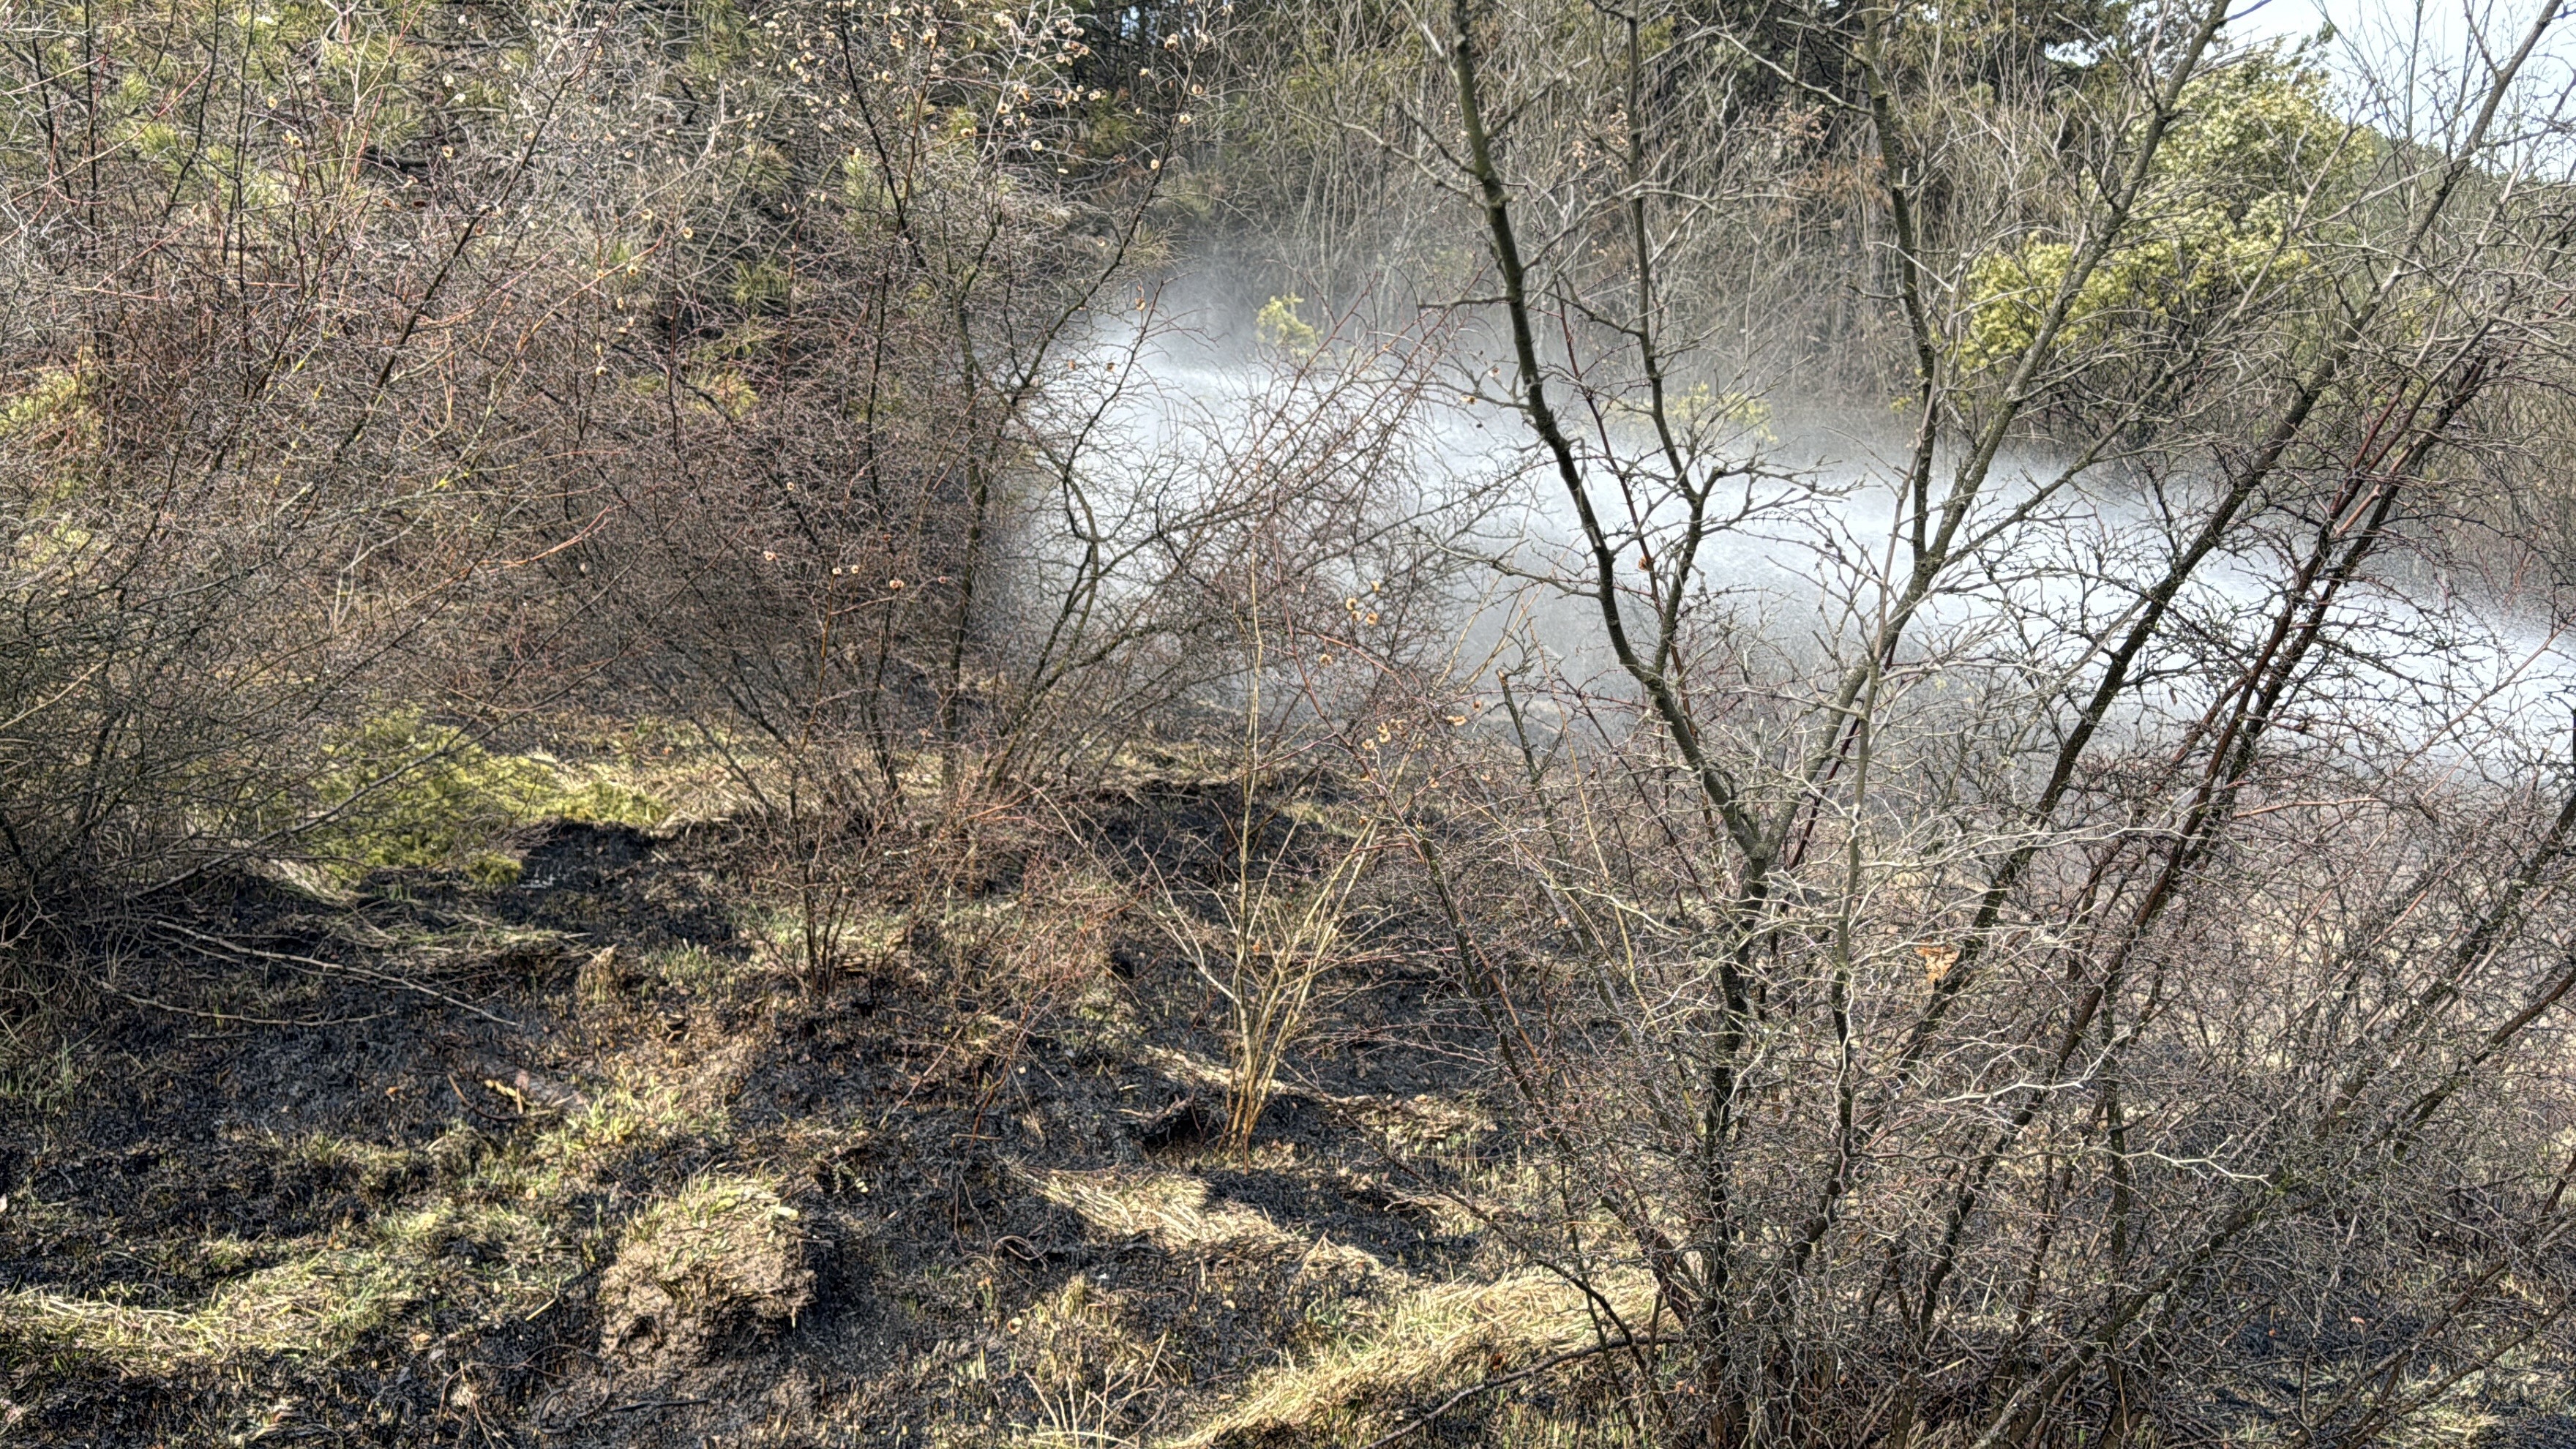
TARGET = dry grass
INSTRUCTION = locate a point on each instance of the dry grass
(1429, 1340)
(722, 1254)
(1188, 1068)
(1089, 1368)
(1415, 1341)
(1168, 1209)
(490, 1227)
(40, 1070)
(508, 1207)
(318, 1302)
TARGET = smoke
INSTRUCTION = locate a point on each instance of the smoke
(1803, 539)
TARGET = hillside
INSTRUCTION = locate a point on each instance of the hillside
(1296, 723)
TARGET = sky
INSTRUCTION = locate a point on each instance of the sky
(2414, 56)
(2378, 31)
(2375, 22)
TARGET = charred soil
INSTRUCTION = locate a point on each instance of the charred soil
(575, 1162)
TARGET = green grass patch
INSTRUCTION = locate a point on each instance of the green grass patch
(402, 792)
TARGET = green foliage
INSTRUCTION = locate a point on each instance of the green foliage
(2253, 152)
(1279, 326)
(403, 792)
(55, 392)
(1703, 408)
(760, 285)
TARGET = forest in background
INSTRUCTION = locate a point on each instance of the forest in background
(1300, 722)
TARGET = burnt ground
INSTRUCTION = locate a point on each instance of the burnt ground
(313, 1172)
(579, 1162)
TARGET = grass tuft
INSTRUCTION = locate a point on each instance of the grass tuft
(722, 1254)
(1429, 1341)
(1168, 1209)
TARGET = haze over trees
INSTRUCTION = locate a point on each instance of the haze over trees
(1915, 650)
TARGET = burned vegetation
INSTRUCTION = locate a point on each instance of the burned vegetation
(1209, 726)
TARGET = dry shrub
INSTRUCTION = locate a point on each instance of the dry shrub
(2001, 920)
(242, 509)
(1274, 942)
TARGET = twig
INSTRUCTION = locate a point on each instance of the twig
(231, 1016)
(1505, 1380)
(383, 977)
(484, 1113)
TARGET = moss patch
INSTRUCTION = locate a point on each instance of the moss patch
(403, 792)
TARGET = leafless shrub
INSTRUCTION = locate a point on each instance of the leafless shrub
(2005, 925)
(245, 507)
(1279, 929)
